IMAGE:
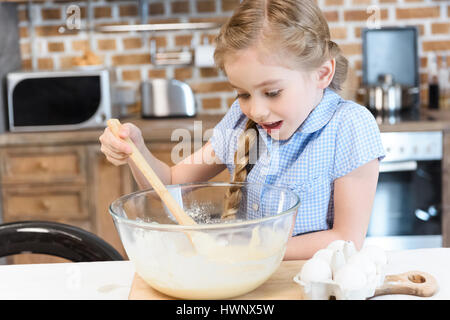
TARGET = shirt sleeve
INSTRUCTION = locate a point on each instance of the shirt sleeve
(225, 134)
(358, 140)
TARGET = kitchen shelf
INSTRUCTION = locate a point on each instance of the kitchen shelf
(159, 27)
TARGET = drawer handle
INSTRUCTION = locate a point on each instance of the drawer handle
(45, 205)
(43, 166)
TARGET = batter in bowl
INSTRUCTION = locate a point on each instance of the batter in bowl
(221, 265)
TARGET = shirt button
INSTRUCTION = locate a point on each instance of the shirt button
(255, 207)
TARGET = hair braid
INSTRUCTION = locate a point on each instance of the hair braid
(233, 195)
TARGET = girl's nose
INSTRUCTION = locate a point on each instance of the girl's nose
(258, 111)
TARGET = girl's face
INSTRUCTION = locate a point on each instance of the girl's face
(277, 98)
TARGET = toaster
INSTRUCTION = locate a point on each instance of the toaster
(162, 98)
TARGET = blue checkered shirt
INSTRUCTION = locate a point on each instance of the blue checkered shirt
(337, 137)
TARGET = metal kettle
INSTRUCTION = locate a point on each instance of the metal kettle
(167, 98)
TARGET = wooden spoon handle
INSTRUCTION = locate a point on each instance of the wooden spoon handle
(139, 160)
(415, 283)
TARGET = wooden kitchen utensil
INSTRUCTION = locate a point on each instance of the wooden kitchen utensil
(416, 283)
(182, 217)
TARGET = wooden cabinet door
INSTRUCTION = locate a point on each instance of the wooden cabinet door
(106, 183)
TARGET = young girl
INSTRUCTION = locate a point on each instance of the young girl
(278, 56)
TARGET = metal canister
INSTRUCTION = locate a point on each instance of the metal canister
(390, 94)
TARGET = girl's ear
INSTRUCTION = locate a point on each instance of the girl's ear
(325, 73)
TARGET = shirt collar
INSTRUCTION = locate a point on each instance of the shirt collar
(322, 113)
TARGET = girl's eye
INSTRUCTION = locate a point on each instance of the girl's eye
(242, 96)
(272, 94)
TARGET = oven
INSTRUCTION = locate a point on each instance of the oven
(407, 207)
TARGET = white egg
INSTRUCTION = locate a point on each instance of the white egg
(315, 270)
(337, 261)
(336, 245)
(349, 249)
(375, 253)
(350, 277)
(363, 262)
(325, 254)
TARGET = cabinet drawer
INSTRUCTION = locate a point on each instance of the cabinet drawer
(43, 165)
(47, 203)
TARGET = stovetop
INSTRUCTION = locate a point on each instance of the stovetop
(408, 115)
(409, 145)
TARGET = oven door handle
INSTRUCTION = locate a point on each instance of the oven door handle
(396, 166)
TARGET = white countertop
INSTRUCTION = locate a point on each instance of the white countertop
(112, 280)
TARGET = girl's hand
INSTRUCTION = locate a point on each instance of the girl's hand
(116, 150)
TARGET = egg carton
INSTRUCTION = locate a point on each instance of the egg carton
(329, 289)
(341, 272)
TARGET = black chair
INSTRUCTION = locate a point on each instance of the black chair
(56, 239)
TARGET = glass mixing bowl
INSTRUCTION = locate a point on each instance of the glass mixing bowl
(216, 258)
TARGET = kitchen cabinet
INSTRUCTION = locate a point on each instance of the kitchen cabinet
(45, 183)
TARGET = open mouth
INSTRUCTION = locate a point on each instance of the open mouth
(269, 126)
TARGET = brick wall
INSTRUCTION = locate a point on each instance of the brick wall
(128, 53)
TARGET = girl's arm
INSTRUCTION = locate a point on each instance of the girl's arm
(202, 165)
(353, 199)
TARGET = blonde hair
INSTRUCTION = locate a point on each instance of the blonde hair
(233, 195)
(298, 31)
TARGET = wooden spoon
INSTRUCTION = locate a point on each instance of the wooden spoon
(417, 283)
(182, 217)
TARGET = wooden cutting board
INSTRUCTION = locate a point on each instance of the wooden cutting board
(280, 286)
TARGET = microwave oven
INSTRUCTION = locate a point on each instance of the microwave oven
(58, 100)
